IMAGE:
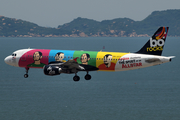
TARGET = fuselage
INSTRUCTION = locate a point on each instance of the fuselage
(104, 61)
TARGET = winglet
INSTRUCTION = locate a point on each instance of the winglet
(75, 59)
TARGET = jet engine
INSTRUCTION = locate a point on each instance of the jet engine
(51, 70)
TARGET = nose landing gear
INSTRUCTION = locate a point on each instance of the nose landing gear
(26, 75)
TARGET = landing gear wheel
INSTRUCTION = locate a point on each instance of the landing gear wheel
(25, 75)
(87, 77)
(76, 78)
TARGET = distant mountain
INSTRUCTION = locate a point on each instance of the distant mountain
(126, 26)
(170, 18)
(83, 27)
(10, 27)
(94, 28)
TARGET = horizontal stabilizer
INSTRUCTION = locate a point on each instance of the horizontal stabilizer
(151, 60)
(171, 56)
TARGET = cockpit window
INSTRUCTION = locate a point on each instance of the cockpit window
(14, 54)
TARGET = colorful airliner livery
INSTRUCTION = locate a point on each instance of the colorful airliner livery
(55, 62)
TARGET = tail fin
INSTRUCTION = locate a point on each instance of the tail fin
(156, 43)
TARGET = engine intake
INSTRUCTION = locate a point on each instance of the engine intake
(51, 70)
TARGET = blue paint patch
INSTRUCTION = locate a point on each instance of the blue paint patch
(63, 55)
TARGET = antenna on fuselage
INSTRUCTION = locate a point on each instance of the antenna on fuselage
(102, 49)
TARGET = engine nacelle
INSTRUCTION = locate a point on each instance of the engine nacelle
(51, 70)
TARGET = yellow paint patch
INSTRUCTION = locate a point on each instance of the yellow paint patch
(111, 62)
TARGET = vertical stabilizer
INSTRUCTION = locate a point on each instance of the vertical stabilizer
(156, 43)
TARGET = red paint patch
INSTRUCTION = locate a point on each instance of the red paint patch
(27, 58)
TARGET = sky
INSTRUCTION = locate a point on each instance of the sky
(51, 13)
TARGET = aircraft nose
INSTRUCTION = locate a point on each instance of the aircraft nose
(8, 60)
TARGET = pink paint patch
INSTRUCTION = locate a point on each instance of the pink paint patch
(27, 58)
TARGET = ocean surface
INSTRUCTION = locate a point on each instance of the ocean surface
(151, 93)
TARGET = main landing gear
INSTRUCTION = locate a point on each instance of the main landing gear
(77, 78)
(87, 76)
(26, 75)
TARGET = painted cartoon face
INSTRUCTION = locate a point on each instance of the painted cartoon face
(59, 57)
(85, 58)
(107, 60)
(37, 56)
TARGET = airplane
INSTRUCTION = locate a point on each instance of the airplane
(55, 62)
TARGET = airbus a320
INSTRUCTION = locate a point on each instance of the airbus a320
(56, 62)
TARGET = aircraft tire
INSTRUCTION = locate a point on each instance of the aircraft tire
(76, 78)
(87, 77)
(25, 75)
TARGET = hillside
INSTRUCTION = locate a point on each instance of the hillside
(170, 18)
(127, 27)
(105, 28)
(10, 27)
(83, 27)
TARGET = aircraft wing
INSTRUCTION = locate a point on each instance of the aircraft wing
(72, 64)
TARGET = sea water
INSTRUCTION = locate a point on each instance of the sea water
(151, 93)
